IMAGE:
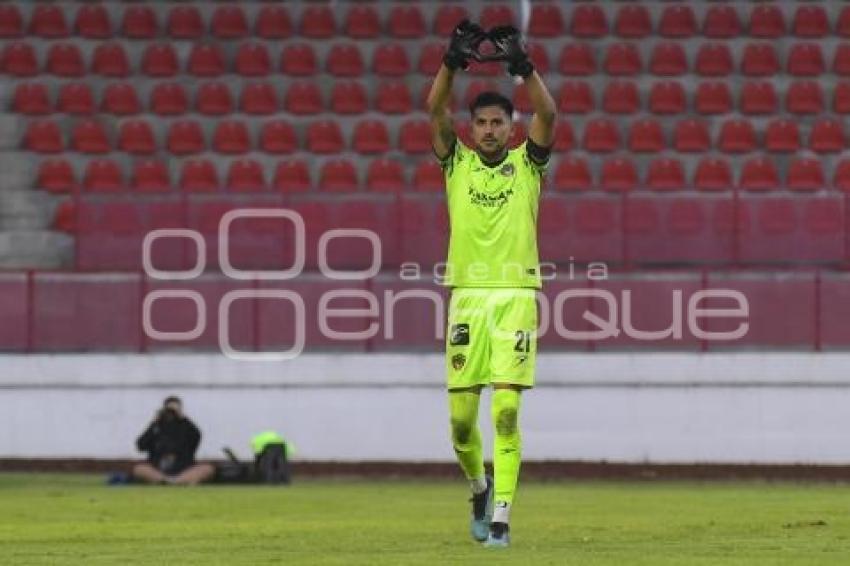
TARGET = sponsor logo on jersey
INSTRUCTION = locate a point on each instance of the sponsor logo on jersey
(459, 335)
(495, 200)
(458, 361)
(521, 360)
(507, 169)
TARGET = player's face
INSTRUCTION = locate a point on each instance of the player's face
(491, 128)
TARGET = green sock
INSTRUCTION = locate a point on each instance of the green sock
(507, 445)
(466, 436)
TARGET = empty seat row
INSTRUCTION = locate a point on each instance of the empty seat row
(409, 21)
(758, 173)
(216, 98)
(690, 135)
(186, 137)
(242, 175)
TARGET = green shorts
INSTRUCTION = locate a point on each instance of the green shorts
(492, 337)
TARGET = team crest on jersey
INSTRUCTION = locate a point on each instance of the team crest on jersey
(507, 170)
(458, 361)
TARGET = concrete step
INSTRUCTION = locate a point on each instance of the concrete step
(26, 210)
(35, 249)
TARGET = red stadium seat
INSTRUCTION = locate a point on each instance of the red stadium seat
(291, 176)
(758, 97)
(632, 21)
(19, 60)
(430, 58)
(371, 136)
(646, 136)
(804, 97)
(344, 60)
(546, 21)
(668, 59)
(317, 22)
(572, 174)
(805, 174)
(677, 20)
(362, 22)
(406, 22)
(11, 22)
(493, 15)
(767, 21)
(89, 136)
(620, 97)
(667, 97)
(185, 137)
(48, 21)
(229, 22)
(601, 135)
(842, 24)
(32, 99)
(169, 99)
(139, 22)
(390, 60)
(303, 98)
(539, 56)
(253, 60)
(258, 98)
(273, 22)
(713, 98)
(65, 60)
(103, 175)
(810, 21)
(206, 60)
(621, 59)
(394, 97)
(827, 135)
(92, 22)
(737, 136)
(56, 176)
(245, 175)
(588, 21)
(120, 99)
(231, 136)
(521, 100)
(338, 175)
(721, 22)
(324, 136)
(576, 59)
(415, 136)
(428, 177)
(806, 60)
(714, 60)
(159, 60)
(136, 136)
(385, 175)
(43, 137)
(713, 174)
(150, 176)
(278, 136)
(841, 178)
(841, 60)
(619, 175)
(199, 176)
(691, 136)
(184, 22)
(759, 174)
(665, 174)
(759, 60)
(782, 136)
(447, 17)
(348, 97)
(841, 98)
(214, 99)
(575, 97)
(299, 59)
(564, 139)
(110, 60)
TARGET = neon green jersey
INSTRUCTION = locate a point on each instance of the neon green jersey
(493, 219)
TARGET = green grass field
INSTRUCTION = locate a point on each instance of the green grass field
(67, 519)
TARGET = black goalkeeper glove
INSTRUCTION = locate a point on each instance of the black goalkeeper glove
(511, 47)
(466, 38)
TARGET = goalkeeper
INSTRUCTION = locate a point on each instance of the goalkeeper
(493, 266)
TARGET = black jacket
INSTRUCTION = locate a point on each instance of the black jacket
(170, 445)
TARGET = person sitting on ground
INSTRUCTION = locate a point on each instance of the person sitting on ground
(171, 441)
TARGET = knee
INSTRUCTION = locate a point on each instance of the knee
(506, 421)
(461, 431)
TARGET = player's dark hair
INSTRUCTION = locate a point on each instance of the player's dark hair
(172, 399)
(492, 98)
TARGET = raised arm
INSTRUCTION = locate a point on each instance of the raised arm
(465, 40)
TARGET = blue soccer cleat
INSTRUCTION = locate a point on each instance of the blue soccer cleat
(499, 536)
(482, 512)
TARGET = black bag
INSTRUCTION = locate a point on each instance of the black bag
(271, 465)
